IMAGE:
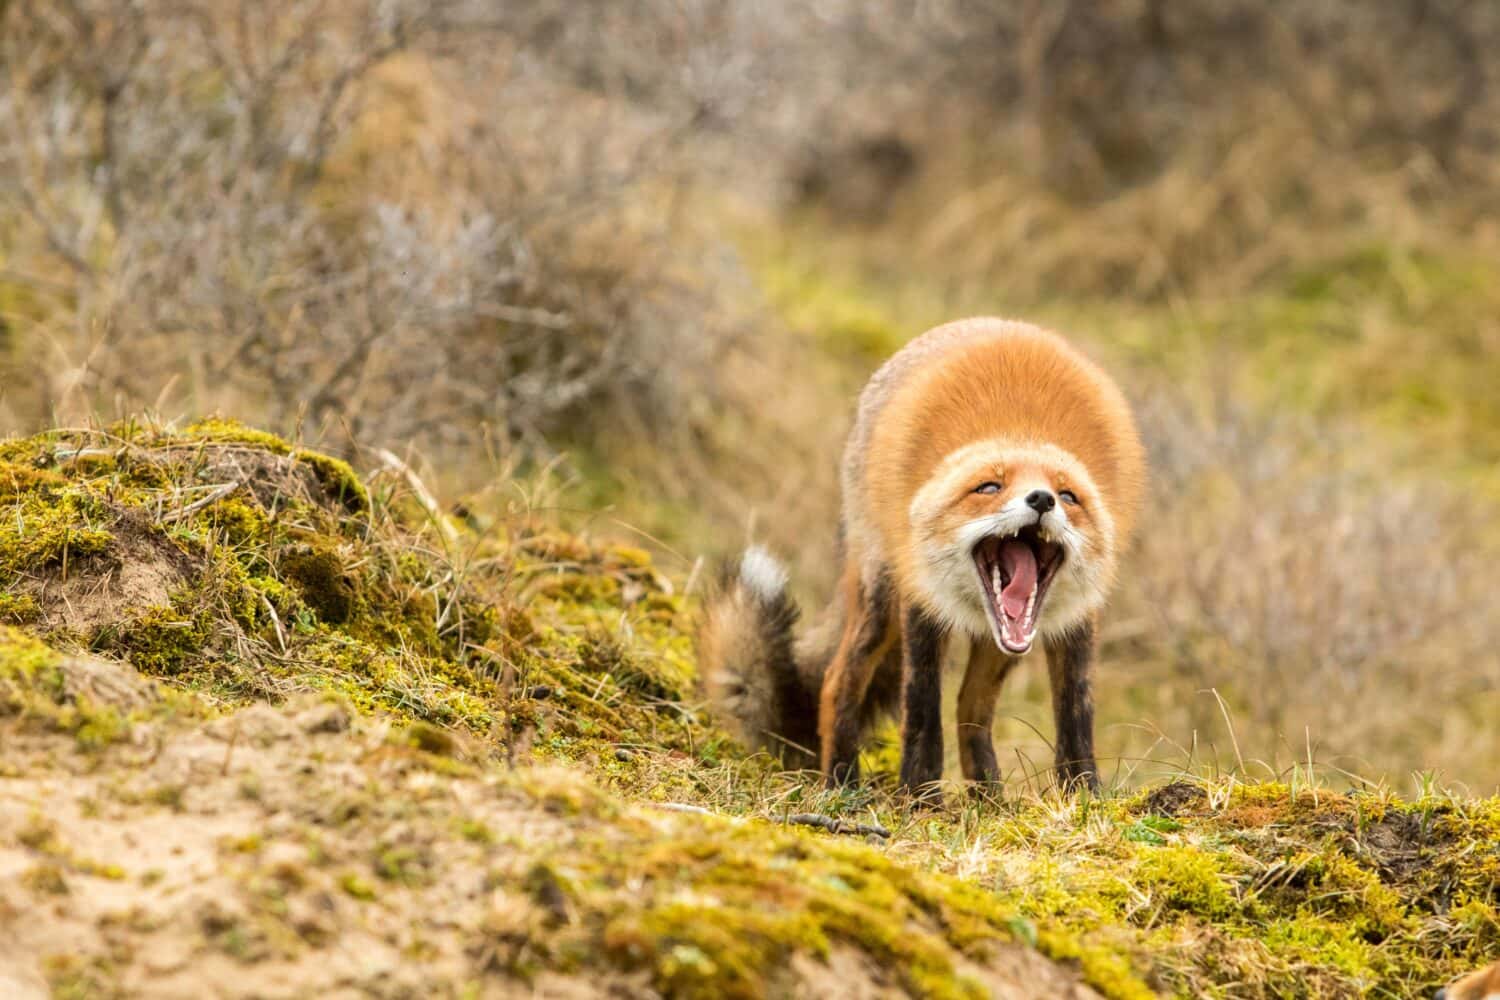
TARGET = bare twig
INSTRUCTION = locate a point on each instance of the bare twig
(218, 493)
(421, 492)
(836, 824)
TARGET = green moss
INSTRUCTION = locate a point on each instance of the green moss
(709, 907)
(318, 574)
(1103, 967)
(476, 831)
(163, 641)
(1322, 944)
(1188, 879)
(97, 726)
(46, 878)
(339, 479)
(41, 532)
(694, 951)
(239, 523)
(335, 475)
(88, 866)
(653, 677)
(251, 843)
(431, 739)
(223, 430)
(750, 911)
(18, 609)
(26, 665)
(357, 887)
(1305, 892)
(74, 977)
(18, 480)
(279, 572)
(1478, 922)
(407, 864)
(1334, 885)
(33, 686)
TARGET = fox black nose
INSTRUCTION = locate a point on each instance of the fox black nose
(1041, 501)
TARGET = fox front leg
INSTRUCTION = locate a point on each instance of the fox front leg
(986, 673)
(921, 705)
(1070, 661)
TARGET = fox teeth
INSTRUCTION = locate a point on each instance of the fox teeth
(995, 579)
(1030, 606)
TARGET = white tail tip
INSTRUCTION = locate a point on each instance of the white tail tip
(762, 573)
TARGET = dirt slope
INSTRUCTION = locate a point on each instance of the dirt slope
(299, 851)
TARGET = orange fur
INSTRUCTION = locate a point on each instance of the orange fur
(1022, 386)
(1481, 985)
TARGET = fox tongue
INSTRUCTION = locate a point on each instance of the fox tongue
(1019, 564)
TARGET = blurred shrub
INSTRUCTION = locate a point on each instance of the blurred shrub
(397, 217)
(1156, 148)
(417, 219)
(1314, 584)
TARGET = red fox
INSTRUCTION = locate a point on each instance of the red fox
(1481, 985)
(989, 485)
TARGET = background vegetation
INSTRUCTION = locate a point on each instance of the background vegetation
(625, 265)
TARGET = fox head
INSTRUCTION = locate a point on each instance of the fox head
(1012, 539)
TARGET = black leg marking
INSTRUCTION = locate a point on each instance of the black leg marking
(921, 705)
(1069, 663)
(981, 750)
(985, 675)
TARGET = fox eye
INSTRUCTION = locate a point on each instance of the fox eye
(1069, 497)
(987, 488)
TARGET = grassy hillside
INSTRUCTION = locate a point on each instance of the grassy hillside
(262, 716)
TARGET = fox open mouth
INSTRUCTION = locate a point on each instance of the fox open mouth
(1015, 573)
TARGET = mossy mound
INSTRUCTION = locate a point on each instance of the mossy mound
(1224, 889)
(235, 564)
(720, 907)
(92, 700)
(244, 568)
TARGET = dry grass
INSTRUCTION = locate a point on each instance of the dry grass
(398, 227)
(1322, 593)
